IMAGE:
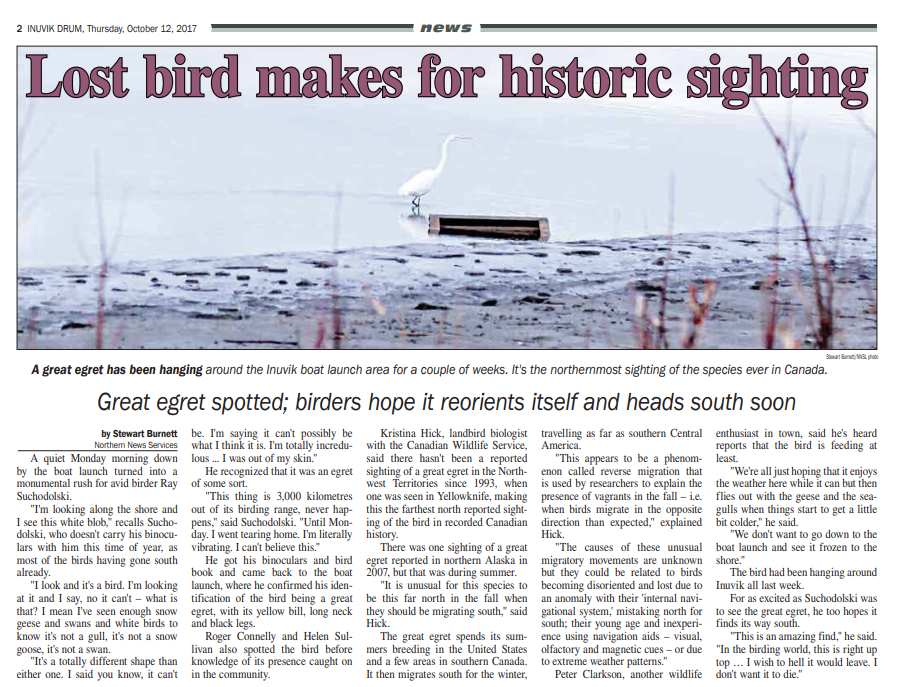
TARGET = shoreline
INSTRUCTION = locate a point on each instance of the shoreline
(457, 293)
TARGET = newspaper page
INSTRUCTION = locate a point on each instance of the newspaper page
(357, 347)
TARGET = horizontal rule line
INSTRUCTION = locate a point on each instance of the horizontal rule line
(679, 27)
(315, 27)
(85, 450)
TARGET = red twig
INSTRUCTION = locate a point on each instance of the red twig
(101, 303)
(699, 311)
(106, 251)
(822, 276)
(663, 295)
(337, 334)
(643, 324)
(772, 319)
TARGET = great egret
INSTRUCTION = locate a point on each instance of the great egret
(423, 182)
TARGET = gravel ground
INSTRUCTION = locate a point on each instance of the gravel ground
(458, 293)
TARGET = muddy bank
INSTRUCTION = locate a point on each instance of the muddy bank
(457, 294)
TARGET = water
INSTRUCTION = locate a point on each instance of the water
(210, 177)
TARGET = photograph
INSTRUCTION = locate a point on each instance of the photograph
(409, 197)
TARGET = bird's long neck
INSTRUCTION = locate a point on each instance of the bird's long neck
(444, 148)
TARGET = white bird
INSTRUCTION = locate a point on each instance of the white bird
(424, 181)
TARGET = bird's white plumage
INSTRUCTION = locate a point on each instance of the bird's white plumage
(424, 181)
(420, 184)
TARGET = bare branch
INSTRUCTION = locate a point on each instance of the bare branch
(663, 294)
(789, 147)
(337, 333)
(868, 129)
